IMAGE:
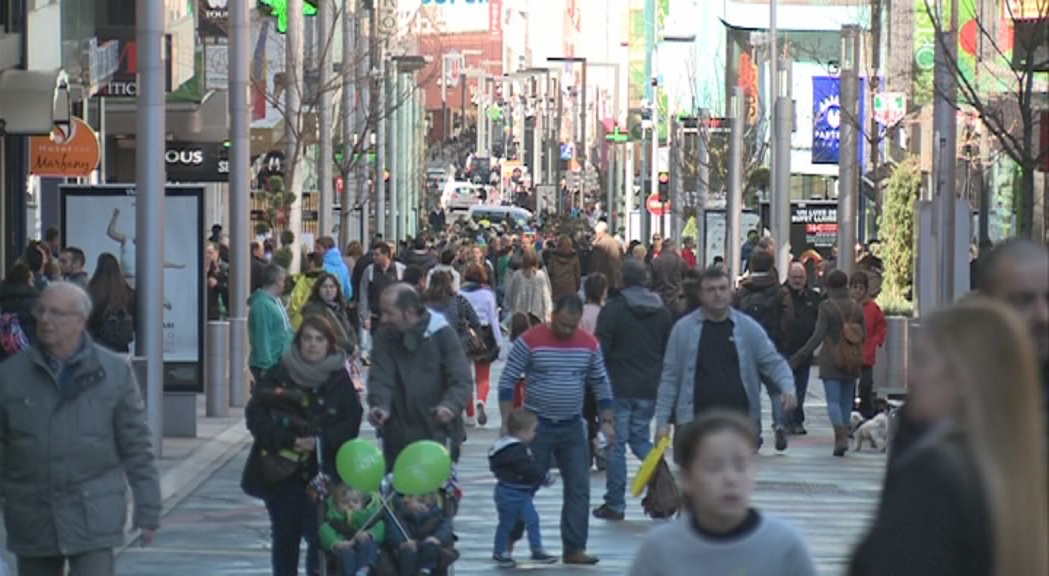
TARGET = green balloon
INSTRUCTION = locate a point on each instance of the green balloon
(422, 467)
(360, 465)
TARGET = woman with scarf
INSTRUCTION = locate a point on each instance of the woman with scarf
(299, 415)
(326, 300)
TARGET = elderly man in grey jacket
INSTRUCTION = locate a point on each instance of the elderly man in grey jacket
(718, 357)
(73, 437)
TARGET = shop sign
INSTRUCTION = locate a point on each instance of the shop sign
(71, 152)
(196, 162)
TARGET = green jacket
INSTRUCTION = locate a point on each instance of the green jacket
(269, 330)
(338, 527)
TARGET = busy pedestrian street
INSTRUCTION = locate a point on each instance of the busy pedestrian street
(218, 531)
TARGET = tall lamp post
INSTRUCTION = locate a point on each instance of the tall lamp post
(610, 179)
(581, 150)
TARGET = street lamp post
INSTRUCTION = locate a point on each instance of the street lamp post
(848, 175)
(581, 151)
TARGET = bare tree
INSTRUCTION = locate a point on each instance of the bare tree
(1006, 85)
(301, 122)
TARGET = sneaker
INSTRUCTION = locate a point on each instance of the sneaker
(800, 430)
(781, 439)
(471, 422)
(580, 558)
(482, 416)
(606, 513)
(541, 557)
(504, 560)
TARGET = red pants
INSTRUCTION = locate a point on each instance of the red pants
(483, 378)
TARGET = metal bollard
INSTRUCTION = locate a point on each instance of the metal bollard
(217, 384)
(238, 349)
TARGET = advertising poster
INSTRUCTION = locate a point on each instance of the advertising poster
(715, 230)
(816, 224)
(101, 219)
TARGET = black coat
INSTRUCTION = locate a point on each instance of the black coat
(633, 328)
(20, 299)
(334, 415)
(933, 519)
(806, 310)
(512, 462)
(220, 293)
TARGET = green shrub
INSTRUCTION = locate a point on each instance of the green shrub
(896, 225)
(895, 305)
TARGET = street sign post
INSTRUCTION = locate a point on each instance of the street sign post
(655, 207)
(617, 136)
(890, 107)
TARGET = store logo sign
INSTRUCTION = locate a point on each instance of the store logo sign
(196, 162)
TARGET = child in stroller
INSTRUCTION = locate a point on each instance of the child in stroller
(353, 530)
(424, 542)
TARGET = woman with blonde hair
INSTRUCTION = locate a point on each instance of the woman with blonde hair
(969, 498)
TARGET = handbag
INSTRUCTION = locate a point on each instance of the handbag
(473, 343)
(275, 467)
(663, 498)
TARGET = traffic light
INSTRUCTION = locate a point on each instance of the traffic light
(664, 186)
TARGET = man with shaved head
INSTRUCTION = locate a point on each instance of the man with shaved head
(806, 302)
(1016, 273)
(420, 380)
(73, 437)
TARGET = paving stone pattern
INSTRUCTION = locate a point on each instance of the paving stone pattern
(217, 531)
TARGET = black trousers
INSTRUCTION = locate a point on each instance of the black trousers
(866, 392)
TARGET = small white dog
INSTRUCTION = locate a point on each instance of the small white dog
(874, 431)
(855, 421)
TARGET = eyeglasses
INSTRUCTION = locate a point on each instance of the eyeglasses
(41, 312)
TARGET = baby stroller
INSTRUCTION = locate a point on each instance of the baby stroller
(449, 496)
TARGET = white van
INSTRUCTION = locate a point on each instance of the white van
(460, 196)
(499, 214)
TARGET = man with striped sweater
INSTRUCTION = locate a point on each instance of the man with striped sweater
(558, 361)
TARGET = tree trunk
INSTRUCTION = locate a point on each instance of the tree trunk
(1026, 229)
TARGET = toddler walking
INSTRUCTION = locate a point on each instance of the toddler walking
(518, 478)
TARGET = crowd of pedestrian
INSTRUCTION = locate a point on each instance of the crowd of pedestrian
(604, 345)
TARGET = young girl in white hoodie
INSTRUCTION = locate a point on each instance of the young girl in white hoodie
(720, 534)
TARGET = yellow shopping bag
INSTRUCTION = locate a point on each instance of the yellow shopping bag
(648, 467)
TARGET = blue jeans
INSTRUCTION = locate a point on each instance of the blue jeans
(293, 518)
(840, 396)
(633, 428)
(801, 387)
(515, 505)
(564, 443)
(362, 555)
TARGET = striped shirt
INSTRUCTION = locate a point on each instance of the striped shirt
(556, 373)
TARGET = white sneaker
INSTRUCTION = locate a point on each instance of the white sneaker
(471, 422)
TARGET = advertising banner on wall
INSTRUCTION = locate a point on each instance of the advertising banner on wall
(101, 220)
(815, 224)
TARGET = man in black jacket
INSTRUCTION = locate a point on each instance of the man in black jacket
(633, 329)
(806, 309)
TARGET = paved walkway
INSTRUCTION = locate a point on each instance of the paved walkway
(216, 530)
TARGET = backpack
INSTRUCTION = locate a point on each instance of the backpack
(12, 337)
(764, 307)
(848, 350)
(117, 329)
(300, 294)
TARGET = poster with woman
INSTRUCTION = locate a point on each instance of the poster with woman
(101, 220)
